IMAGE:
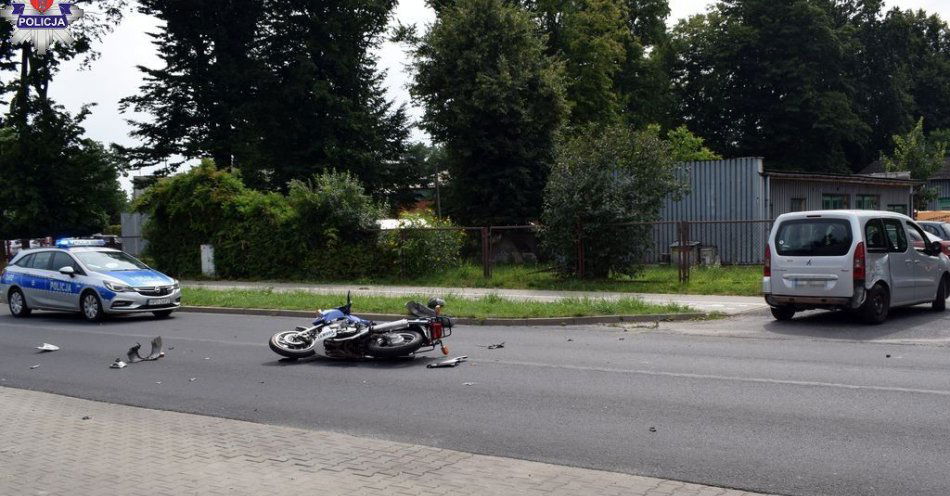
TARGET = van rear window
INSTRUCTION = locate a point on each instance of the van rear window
(814, 238)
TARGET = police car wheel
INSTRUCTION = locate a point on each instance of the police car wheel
(17, 303)
(91, 307)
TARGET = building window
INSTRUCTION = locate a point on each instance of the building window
(944, 203)
(900, 208)
(867, 202)
(798, 205)
(834, 202)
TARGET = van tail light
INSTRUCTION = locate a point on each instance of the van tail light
(767, 268)
(436, 330)
(860, 262)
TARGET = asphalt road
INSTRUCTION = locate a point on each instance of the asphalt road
(813, 406)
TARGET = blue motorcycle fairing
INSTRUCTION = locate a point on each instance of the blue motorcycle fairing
(336, 314)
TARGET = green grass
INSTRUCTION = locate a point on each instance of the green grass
(728, 280)
(488, 306)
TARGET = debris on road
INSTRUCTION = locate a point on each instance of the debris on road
(118, 364)
(569, 340)
(448, 363)
(494, 346)
(652, 429)
(193, 379)
(468, 383)
(158, 351)
(34, 366)
(87, 417)
(46, 347)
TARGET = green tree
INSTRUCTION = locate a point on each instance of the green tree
(495, 101)
(684, 145)
(771, 79)
(632, 173)
(920, 156)
(644, 80)
(53, 180)
(279, 90)
(590, 36)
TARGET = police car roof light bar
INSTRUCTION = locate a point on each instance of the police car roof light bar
(73, 242)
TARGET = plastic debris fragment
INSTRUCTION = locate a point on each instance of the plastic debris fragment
(158, 351)
(47, 347)
(118, 364)
(448, 363)
(34, 366)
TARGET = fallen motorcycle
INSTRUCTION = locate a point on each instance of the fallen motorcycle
(345, 335)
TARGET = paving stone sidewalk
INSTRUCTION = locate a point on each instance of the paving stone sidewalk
(47, 448)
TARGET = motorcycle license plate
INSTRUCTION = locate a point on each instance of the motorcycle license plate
(159, 301)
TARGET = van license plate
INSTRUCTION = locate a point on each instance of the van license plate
(159, 301)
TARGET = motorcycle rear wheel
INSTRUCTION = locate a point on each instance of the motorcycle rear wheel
(283, 344)
(394, 344)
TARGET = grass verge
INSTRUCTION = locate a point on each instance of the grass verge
(727, 280)
(485, 307)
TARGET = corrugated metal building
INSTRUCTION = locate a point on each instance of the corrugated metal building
(940, 181)
(731, 204)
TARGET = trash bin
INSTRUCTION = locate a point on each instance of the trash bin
(691, 249)
(709, 256)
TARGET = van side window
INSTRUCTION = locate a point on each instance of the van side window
(874, 235)
(920, 238)
(896, 239)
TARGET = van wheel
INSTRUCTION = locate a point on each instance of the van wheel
(784, 312)
(876, 306)
(940, 301)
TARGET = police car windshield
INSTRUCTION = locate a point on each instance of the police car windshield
(108, 261)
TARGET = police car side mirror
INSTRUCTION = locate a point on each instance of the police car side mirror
(68, 271)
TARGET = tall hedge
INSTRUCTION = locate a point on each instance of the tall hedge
(325, 228)
(257, 234)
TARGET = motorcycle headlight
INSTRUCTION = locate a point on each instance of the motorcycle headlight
(118, 288)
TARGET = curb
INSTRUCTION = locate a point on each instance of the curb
(548, 321)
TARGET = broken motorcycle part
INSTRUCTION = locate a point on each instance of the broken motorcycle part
(448, 363)
(158, 351)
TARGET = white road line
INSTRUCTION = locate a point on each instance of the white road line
(713, 377)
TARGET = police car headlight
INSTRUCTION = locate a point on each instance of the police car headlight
(118, 288)
(176, 286)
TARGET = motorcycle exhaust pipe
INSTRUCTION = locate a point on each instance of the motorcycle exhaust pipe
(391, 326)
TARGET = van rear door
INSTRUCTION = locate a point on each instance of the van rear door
(813, 257)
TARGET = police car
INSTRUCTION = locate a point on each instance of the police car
(83, 275)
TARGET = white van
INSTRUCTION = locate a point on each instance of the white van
(863, 261)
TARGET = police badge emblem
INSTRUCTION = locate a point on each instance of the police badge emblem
(41, 22)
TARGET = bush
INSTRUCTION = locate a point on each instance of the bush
(414, 251)
(186, 211)
(603, 177)
(322, 228)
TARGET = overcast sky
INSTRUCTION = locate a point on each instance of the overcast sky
(114, 75)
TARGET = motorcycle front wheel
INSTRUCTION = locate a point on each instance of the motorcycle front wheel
(394, 344)
(291, 345)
